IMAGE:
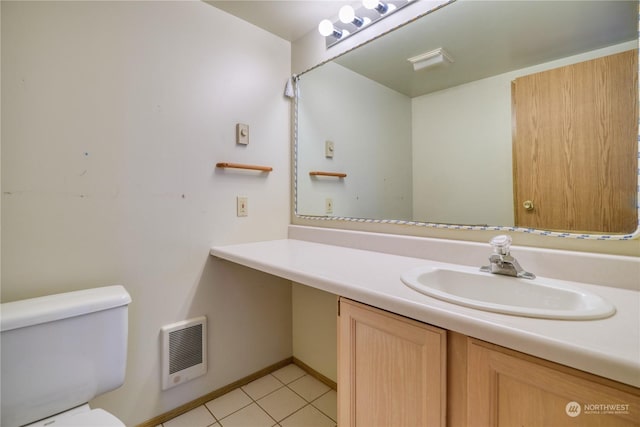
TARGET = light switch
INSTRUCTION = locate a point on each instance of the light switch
(328, 149)
(242, 134)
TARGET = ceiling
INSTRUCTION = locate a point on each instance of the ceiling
(289, 19)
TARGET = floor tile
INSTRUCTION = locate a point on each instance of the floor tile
(281, 403)
(309, 387)
(328, 404)
(308, 417)
(249, 416)
(262, 386)
(228, 403)
(276, 403)
(288, 373)
(198, 417)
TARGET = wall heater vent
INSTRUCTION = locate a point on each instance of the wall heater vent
(184, 351)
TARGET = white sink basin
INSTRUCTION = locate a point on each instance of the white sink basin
(540, 297)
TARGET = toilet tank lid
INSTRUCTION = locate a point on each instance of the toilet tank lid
(33, 311)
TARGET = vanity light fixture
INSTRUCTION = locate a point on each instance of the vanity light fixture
(430, 59)
(353, 20)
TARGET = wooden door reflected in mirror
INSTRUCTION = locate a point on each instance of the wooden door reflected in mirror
(574, 146)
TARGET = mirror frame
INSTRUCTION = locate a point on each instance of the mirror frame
(533, 231)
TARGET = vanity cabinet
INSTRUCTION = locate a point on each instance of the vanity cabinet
(507, 388)
(395, 371)
(391, 370)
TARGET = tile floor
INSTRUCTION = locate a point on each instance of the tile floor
(287, 397)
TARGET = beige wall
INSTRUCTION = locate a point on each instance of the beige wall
(314, 329)
(114, 115)
(375, 125)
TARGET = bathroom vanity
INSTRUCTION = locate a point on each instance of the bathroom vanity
(446, 378)
(460, 365)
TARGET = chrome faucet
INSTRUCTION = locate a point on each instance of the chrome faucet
(501, 261)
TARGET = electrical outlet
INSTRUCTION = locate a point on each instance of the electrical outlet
(328, 205)
(242, 208)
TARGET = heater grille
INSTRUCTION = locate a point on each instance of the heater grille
(185, 348)
(184, 351)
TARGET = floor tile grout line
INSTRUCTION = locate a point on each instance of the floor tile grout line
(310, 402)
(293, 380)
(306, 402)
(256, 400)
(267, 412)
(316, 399)
(212, 414)
(287, 387)
(270, 393)
(219, 420)
(295, 412)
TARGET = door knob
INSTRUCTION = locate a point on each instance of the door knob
(528, 205)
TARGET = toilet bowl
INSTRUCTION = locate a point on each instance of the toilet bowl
(59, 352)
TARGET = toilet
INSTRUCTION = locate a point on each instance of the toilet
(59, 352)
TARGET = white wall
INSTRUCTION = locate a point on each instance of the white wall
(114, 115)
(462, 137)
(375, 125)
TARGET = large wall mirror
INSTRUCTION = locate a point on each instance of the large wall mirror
(528, 111)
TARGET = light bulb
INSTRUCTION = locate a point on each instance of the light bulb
(346, 14)
(370, 4)
(381, 7)
(325, 27)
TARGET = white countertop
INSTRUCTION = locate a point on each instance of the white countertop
(607, 347)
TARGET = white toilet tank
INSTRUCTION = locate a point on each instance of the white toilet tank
(60, 351)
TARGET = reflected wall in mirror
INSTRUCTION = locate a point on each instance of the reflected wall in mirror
(435, 145)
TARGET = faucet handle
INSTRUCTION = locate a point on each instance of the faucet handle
(501, 244)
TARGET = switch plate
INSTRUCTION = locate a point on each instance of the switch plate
(242, 134)
(328, 149)
(328, 205)
(242, 208)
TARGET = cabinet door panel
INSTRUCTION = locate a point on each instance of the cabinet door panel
(505, 390)
(391, 370)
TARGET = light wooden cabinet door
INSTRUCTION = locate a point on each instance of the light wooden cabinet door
(391, 370)
(505, 388)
